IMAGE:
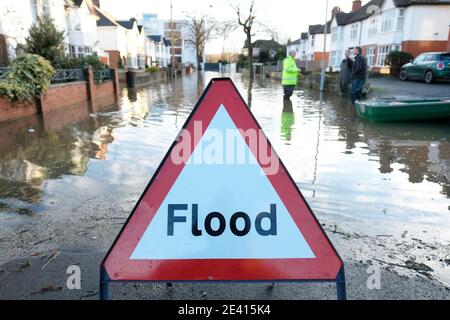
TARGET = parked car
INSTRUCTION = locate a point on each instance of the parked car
(429, 66)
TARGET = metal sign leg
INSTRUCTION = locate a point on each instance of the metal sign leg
(104, 284)
(340, 285)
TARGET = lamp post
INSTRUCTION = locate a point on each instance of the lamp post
(322, 77)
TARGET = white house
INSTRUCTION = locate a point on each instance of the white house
(76, 18)
(81, 21)
(381, 26)
(113, 38)
(299, 46)
(162, 50)
(132, 35)
(314, 46)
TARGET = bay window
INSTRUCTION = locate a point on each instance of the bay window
(373, 27)
(387, 21)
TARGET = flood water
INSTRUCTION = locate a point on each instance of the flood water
(389, 183)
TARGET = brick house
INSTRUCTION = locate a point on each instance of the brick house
(381, 26)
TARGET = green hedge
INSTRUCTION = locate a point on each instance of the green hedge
(29, 76)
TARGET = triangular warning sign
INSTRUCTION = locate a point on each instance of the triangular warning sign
(221, 206)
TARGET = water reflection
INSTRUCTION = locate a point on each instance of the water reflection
(287, 120)
(324, 144)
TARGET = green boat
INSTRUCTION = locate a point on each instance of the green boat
(403, 110)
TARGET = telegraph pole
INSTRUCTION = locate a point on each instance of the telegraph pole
(322, 77)
(172, 57)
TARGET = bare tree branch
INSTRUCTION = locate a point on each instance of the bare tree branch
(198, 31)
(247, 23)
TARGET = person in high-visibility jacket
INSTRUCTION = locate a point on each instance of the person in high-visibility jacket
(290, 75)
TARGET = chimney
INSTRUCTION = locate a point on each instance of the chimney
(96, 3)
(335, 11)
(357, 4)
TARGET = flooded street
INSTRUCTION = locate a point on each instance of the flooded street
(381, 191)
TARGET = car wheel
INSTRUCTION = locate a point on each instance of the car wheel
(429, 77)
(403, 75)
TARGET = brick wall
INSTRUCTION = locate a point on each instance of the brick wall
(64, 95)
(113, 57)
(10, 110)
(418, 47)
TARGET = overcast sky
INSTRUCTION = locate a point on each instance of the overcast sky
(288, 17)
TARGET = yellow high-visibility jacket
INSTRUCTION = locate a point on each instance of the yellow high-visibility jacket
(290, 72)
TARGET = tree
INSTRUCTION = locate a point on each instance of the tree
(247, 24)
(45, 40)
(199, 30)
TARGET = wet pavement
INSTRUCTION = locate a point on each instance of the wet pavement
(381, 191)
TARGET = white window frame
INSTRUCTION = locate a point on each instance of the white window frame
(396, 47)
(387, 20)
(339, 57)
(334, 34)
(373, 27)
(401, 19)
(383, 52)
(370, 56)
(354, 31)
(333, 60)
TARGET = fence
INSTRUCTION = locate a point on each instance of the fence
(68, 75)
(102, 75)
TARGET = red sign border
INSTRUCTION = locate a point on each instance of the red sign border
(325, 267)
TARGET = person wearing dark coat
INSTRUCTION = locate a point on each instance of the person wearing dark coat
(346, 73)
(358, 74)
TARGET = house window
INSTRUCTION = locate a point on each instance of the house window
(373, 27)
(334, 34)
(401, 19)
(341, 34)
(383, 51)
(370, 56)
(338, 57)
(72, 51)
(312, 40)
(333, 58)
(387, 21)
(80, 52)
(354, 31)
(396, 47)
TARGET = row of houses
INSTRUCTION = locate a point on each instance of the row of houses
(134, 43)
(379, 27)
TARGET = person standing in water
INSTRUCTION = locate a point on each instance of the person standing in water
(346, 73)
(290, 75)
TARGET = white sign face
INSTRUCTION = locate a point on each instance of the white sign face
(222, 211)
